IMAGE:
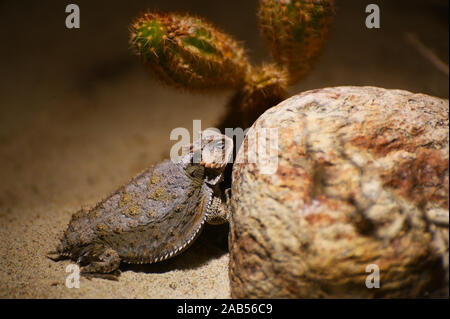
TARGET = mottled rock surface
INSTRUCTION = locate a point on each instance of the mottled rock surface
(362, 179)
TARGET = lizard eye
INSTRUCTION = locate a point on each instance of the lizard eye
(218, 144)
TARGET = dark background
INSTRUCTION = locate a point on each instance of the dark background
(79, 115)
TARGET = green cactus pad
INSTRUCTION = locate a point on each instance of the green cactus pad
(188, 52)
(295, 31)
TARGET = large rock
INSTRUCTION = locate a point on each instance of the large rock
(362, 180)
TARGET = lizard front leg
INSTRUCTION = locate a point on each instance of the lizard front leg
(218, 211)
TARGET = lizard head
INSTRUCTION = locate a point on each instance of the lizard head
(213, 151)
(216, 149)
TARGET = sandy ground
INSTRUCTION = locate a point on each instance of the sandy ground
(79, 117)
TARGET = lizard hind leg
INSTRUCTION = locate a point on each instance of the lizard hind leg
(103, 263)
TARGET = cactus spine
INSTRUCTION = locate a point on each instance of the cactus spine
(188, 52)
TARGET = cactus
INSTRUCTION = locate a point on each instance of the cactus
(295, 31)
(265, 86)
(188, 52)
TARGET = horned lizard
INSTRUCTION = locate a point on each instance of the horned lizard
(156, 216)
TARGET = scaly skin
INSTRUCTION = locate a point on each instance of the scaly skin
(156, 216)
